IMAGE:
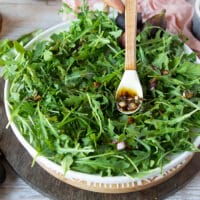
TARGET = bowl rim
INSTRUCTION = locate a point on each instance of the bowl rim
(75, 175)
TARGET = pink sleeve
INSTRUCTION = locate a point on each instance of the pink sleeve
(179, 15)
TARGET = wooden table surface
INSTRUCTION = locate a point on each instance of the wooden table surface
(23, 16)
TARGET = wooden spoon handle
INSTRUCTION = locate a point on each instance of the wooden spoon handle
(130, 34)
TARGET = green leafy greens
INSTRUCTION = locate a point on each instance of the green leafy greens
(62, 98)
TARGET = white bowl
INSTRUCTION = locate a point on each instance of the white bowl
(117, 184)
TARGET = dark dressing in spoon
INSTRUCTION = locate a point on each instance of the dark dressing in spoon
(127, 100)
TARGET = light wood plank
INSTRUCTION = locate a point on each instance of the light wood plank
(14, 188)
(7, 2)
(189, 192)
(30, 2)
(21, 19)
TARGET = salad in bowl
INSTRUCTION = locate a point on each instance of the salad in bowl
(60, 102)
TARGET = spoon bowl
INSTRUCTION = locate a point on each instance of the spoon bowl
(129, 94)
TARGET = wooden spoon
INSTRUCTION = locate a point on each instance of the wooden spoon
(129, 94)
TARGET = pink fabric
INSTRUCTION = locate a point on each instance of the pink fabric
(179, 15)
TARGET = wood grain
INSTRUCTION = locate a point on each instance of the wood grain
(130, 34)
(22, 16)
